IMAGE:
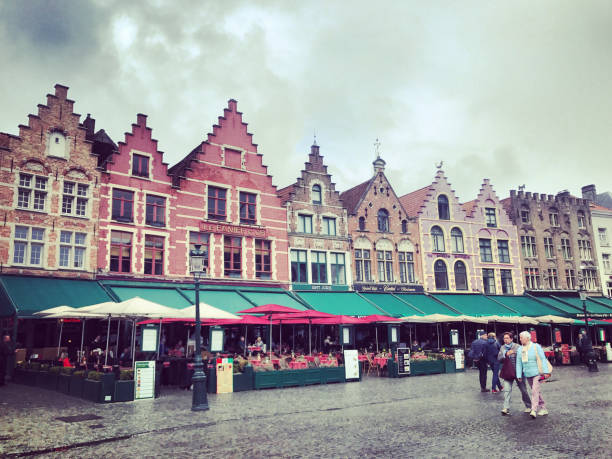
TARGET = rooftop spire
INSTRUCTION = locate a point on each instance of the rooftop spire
(379, 163)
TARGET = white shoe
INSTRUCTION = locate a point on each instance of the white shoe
(543, 412)
(533, 414)
(505, 412)
(527, 410)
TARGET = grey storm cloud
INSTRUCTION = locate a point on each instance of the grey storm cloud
(512, 91)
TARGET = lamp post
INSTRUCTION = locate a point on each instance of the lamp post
(590, 358)
(197, 268)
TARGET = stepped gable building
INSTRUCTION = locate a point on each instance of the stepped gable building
(49, 188)
(556, 238)
(465, 248)
(383, 237)
(228, 204)
(317, 227)
(601, 218)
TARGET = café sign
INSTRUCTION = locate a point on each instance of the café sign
(234, 230)
(388, 288)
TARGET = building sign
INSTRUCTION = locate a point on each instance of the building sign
(388, 288)
(234, 230)
(320, 287)
(448, 255)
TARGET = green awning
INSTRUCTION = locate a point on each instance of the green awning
(166, 296)
(391, 304)
(281, 297)
(33, 294)
(603, 299)
(346, 303)
(569, 311)
(227, 300)
(475, 305)
(595, 310)
(425, 303)
(525, 306)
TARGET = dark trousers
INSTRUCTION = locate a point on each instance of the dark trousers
(482, 370)
(2, 371)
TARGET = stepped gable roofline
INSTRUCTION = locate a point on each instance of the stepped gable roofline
(285, 193)
(562, 197)
(141, 122)
(232, 106)
(353, 197)
(414, 201)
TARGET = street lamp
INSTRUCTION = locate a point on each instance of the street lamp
(582, 292)
(198, 269)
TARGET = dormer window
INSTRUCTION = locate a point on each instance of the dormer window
(443, 212)
(140, 165)
(316, 194)
(383, 221)
(56, 146)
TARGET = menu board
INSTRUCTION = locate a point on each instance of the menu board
(346, 335)
(351, 364)
(459, 359)
(225, 376)
(149, 339)
(394, 334)
(216, 340)
(144, 378)
(403, 361)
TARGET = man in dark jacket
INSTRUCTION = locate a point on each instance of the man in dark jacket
(478, 353)
(6, 349)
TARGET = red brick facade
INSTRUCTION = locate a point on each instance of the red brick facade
(49, 190)
(220, 195)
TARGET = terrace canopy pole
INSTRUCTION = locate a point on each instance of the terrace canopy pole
(293, 347)
(280, 336)
(117, 346)
(59, 342)
(438, 333)
(409, 336)
(376, 330)
(187, 342)
(159, 338)
(133, 340)
(464, 337)
(309, 338)
(246, 339)
(82, 337)
(107, 340)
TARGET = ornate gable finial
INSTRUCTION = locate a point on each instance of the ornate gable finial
(521, 187)
(439, 165)
(377, 148)
(314, 135)
(379, 163)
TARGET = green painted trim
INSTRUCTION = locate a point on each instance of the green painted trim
(408, 303)
(443, 303)
(561, 311)
(502, 304)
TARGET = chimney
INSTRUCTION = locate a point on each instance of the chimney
(90, 126)
(379, 165)
(589, 193)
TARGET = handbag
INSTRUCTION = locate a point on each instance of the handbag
(539, 360)
(508, 371)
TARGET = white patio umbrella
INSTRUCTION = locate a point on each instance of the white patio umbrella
(416, 320)
(206, 312)
(67, 312)
(55, 310)
(554, 319)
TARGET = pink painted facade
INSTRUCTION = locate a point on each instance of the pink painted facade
(464, 240)
(219, 196)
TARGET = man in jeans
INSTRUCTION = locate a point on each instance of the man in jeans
(477, 354)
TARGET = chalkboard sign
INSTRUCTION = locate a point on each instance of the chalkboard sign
(403, 361)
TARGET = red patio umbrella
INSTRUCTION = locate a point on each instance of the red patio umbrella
(270, 309)
(338, 320)
(303, 317)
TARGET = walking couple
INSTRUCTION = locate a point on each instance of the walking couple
(524, 364)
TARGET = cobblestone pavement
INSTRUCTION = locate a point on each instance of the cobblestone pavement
(426, 416)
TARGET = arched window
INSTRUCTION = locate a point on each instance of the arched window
(460, 276)
(404, 226)
(361, 223)
(437, 238)
(383, 221)
(443, 212)
(316, 194)
(456, 240)
(441, 276)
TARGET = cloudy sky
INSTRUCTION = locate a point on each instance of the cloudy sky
(518, 92)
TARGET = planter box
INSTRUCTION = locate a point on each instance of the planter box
(426, 367)
(310, 376)
(244, 381)
(292, 378)
(63, 384)
(332, 375)
(19, 376)
(266, 379)
(449, 366)
(76, 386)
(124, 391)
(92, 390)
(46, 380)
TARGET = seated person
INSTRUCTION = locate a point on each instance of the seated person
(179, 349)
(327, 343)
(64, 361)
(415, 346)
(260, 344)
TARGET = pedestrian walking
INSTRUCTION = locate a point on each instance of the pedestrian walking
(507, 358)
(491, 353)
(478, 355)
(6, 350)
(531, 364)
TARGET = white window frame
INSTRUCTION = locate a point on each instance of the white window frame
(32, 189)
(73, 246)
(76, 198)
(29, 242)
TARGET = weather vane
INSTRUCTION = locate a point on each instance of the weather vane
(314, 134)
(521, 187)
(377, 148)
(439, 165)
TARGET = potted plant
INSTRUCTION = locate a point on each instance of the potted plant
(63, 379)
(77, 380)
(44, 378)
(99, 387)
(243, 380)
(124, 388)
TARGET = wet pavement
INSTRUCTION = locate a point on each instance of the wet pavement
(425, 416)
